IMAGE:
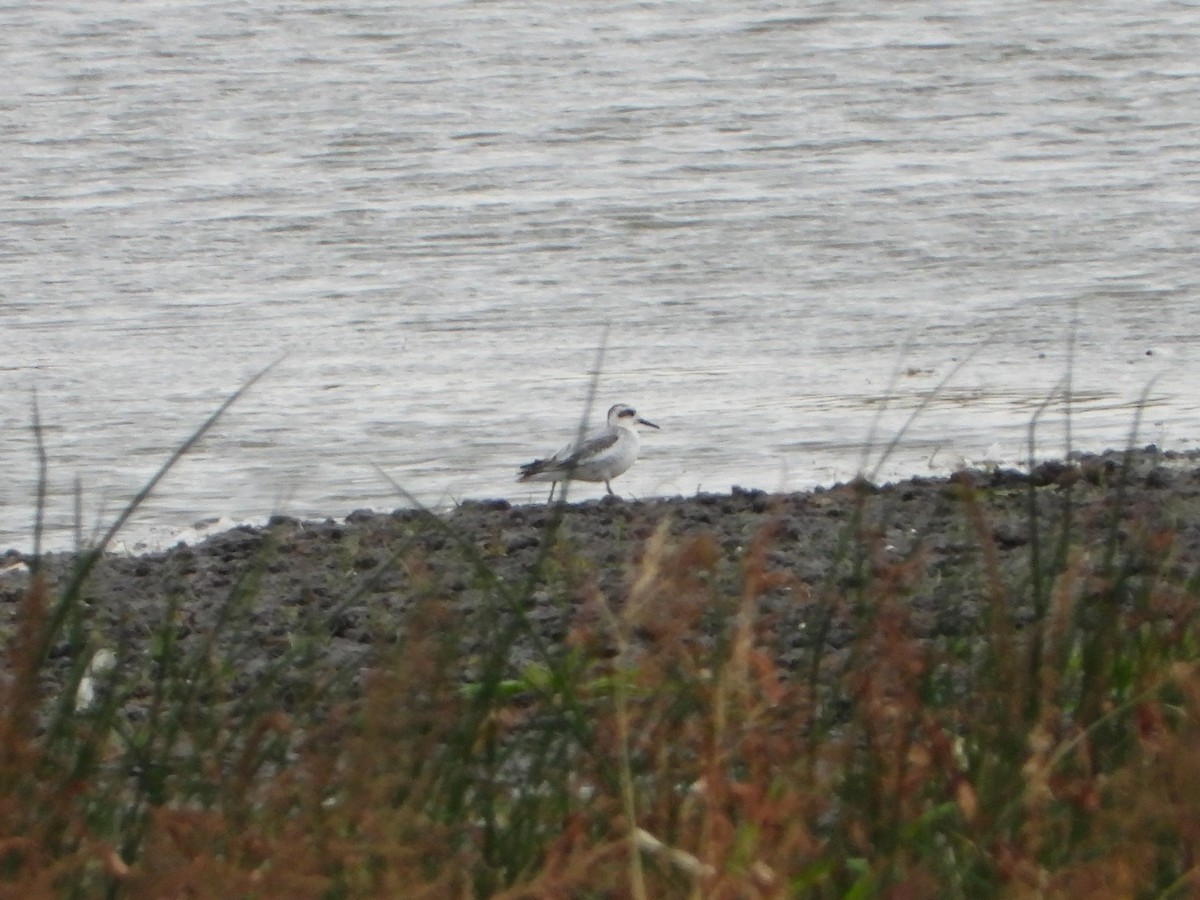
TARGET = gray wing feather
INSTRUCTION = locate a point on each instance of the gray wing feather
(592, 446)
(569, 455)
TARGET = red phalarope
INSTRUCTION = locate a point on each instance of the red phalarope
(599, 456)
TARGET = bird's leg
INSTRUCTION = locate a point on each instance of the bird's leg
(553, 485)
(609, 486)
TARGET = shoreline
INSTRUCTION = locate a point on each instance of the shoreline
(202, 531)
(354, 581)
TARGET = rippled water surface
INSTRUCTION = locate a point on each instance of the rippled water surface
(799, 222)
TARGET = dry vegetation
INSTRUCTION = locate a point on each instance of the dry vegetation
(660, 751)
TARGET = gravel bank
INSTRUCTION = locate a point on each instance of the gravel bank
(351, 582)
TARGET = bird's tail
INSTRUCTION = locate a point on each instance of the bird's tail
(530, 469)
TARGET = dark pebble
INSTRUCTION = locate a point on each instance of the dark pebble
(1158, 478)
(514, 543)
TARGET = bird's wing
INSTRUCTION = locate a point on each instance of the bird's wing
(592, 444)
(586, 452)
(591, 447)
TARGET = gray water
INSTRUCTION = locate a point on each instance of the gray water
(796, 221)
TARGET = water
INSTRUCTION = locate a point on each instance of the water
(796, 220)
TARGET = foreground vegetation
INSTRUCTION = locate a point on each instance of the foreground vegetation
(658, 751)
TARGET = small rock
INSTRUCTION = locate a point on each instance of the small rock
(1158, 478)
(522, 540)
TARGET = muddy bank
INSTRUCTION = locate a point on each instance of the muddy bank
(347, 585)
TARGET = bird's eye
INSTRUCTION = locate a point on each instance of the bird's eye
(626, 413)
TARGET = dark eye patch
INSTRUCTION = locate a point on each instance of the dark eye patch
(626, 413)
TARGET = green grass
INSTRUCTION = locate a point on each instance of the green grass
(659, 750)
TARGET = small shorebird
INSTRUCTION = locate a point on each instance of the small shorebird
(600, 456)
